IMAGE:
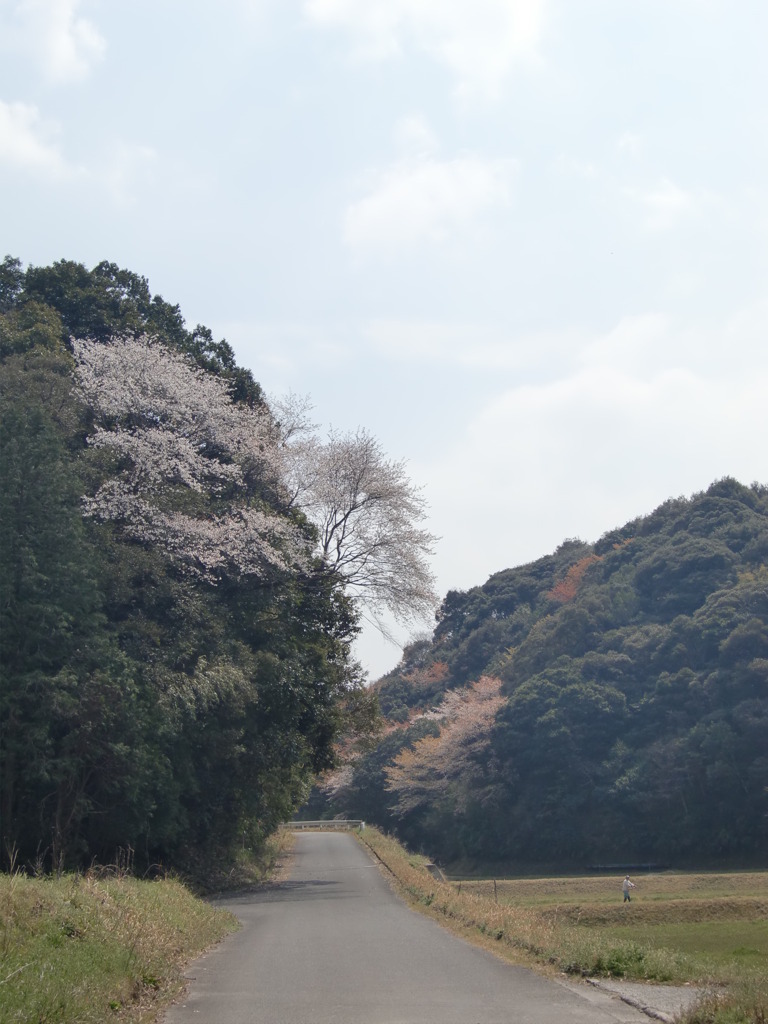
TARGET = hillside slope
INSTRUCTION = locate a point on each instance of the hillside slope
(606, 703)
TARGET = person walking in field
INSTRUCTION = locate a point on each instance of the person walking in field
(626, 885)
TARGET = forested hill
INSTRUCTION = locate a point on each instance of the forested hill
(174, 644)
(607, 703)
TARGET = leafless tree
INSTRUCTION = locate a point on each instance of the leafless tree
(368, 515)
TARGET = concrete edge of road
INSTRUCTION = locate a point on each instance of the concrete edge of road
(660, 1002)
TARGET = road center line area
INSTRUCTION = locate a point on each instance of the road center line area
(334, 945)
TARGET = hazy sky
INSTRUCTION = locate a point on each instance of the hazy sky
(523, 242)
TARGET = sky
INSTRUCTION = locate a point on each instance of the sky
(524, 243)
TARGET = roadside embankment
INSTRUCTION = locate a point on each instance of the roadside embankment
(524, 934)
(89, 949)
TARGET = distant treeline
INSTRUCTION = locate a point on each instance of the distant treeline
(607, 703)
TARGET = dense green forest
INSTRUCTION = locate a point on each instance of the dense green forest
(605, 704)
(174, 655)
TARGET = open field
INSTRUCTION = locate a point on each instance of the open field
(707, 929)
(715, 888)
(718, 921)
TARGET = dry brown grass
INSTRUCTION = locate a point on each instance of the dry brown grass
(521, 934)
(573, 924)
(747, 886)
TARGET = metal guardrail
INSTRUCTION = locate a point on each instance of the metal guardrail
(329, 825)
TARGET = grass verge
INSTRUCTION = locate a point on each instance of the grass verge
(108, 947)
(536, 934)
(89, 949)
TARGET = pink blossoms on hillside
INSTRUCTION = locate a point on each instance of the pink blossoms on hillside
(422, 773)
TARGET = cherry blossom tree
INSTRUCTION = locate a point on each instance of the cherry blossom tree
(426, 771)
(191, 469)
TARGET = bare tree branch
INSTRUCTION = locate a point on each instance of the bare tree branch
(368, 515)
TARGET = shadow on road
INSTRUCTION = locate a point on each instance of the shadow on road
(275, 892)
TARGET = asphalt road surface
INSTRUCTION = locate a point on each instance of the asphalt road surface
(335, 945)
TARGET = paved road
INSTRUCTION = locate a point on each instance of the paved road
(334, 945)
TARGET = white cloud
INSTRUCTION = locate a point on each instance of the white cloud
(428, 200)
(639, 345)
(414, 137)
(285, 350)
(478, 40)
(375, 26)
(630, 143)
(645, 346)
(128, 166)
(63, 43)
(254, 10)
(27, 145)
(665, 204)
(574, 167)
(478, 347)
(23, 144)
(637, 422)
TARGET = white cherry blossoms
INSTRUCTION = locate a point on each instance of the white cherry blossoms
(189, 463)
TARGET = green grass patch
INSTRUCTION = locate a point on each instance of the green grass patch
(88, 949)
(728, 943)
(707, 929)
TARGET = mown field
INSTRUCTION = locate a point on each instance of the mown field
(708, 929)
